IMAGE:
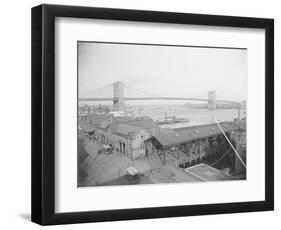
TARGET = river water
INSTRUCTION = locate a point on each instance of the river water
(195, 116)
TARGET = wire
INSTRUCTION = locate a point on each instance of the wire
(221, 157)
(231, 145)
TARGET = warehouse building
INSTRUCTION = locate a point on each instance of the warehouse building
(191, 145)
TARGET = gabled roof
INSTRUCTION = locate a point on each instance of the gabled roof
(145, 123)
(104, 124)
(125, 130)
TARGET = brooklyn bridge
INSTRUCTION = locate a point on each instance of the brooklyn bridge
(115, 92)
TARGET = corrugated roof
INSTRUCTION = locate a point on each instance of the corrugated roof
(186, 134)
(241, 124)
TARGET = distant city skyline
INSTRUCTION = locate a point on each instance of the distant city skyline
(162, 70)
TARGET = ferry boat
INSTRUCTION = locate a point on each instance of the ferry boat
(171, 120)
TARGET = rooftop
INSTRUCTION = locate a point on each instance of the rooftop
(145, 123)
(97, 119)
(125, 129)
(104, 124)
(85, 126)
(208, 173)
(186, 134)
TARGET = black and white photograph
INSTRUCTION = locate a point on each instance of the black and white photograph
(160, 113)
(142, 113)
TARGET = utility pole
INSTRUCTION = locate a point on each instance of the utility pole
(153, 132)
(238, 111)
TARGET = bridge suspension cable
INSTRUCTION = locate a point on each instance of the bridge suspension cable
(87, 95)
(98, 90)
(141, 91)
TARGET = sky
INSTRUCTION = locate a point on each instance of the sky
(162, 70)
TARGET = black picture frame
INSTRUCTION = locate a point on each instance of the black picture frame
(43, 114)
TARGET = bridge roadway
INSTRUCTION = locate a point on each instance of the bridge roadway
(157, 98)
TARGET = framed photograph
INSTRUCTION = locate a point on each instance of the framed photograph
(144, 114)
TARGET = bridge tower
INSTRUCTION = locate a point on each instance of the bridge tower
(118, 96)
(212, 100)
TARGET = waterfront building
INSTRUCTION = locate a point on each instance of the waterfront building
(126, 136)
(101, 131)
(128, 139)
(191, 145)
